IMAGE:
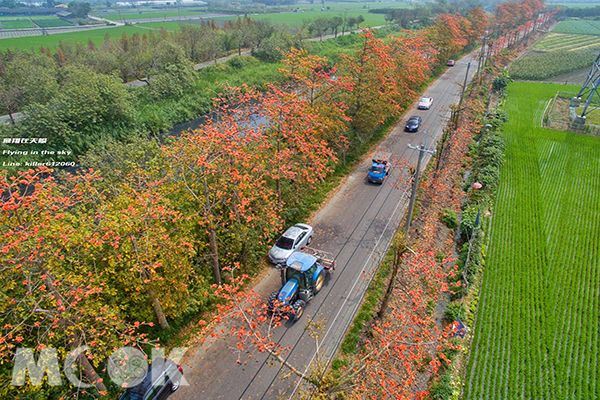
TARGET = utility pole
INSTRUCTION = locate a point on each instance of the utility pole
(481, 57)
(422, 150)
(462, 95)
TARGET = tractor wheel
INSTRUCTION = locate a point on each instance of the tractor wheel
(319, 283)
(271, 301)
(298, 309)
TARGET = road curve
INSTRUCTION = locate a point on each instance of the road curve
(357, 225)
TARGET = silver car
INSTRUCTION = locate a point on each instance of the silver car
(293, 239)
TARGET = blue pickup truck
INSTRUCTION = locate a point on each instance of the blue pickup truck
(379, 170)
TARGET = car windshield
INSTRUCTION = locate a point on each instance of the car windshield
(285, 243)
(378, 169)
(424, 100)
(413, 121)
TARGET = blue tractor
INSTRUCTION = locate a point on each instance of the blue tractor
(302, 277)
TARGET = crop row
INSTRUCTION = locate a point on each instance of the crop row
(579, 26)
(566, 42)
(537, 326)
(16, 24)
(546, 65)
(49, 23)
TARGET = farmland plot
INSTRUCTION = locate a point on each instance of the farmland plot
(579, 26)
(537, 334)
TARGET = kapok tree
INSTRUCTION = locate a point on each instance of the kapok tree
(448, 35)
(479, 23)
(373, 97)
(52, 295)
(312, 79)
(295, 135)
(410, 51)
(217, 172)
(146, 247)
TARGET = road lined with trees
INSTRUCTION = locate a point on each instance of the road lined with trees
(99, 258)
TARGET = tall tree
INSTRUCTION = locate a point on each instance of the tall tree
(373, 97)
(52, 295)
(218, 174)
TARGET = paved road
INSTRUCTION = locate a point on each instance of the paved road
(357, 226)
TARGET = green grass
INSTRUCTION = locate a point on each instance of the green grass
(579, 26)
(16, 23)
(52, 41)
(537, 326)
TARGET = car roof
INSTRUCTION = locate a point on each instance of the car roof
(293, 232)
(301, 261)
(414, 118)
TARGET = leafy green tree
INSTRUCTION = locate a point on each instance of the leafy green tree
(71, 119)
(33, 75)
(192, 39)
(10, 99)
(80, 10)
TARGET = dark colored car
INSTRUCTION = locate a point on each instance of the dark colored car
(161, 380)
(413, 124)
(450, 63)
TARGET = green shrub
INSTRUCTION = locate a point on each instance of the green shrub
(449, 218)
(453, 312)
(441, 389)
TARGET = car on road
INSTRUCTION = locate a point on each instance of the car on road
(425, 103)
(413, 124)
(378, 171)
(450, 63)
(160, 381)
(293, 239)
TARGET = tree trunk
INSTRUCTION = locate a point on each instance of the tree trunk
(215, 255)
(90, 373)
(160, 315)
(212, 234)
(399, 250)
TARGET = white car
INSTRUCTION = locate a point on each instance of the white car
(292, 240)
(425, 103)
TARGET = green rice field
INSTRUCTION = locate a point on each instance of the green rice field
(129, 14)
(26, 22)
(578, 26)
(297, 18)
(567, 41)
(540, 66)
(16, 23)
(52, 41)
(536, 333)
